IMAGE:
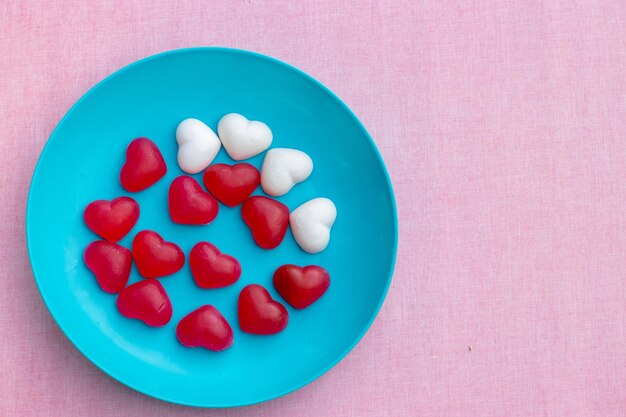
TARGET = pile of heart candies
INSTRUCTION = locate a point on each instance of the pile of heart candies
(190, 204)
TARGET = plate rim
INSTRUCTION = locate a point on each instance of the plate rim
(323, 370)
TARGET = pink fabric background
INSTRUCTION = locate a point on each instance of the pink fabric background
(503, 124)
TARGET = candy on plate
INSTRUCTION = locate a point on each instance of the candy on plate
(189, 204)
(197, 145)
(205, 327)
(243, 138)
(143, 167)
(301, 286)
(259, 313)
(311, 223)
(211, 268)
(267, 219)
(147, 301)
(154, 256)
(110, 263)
(282, 169)
(112, 220)
(231, 184)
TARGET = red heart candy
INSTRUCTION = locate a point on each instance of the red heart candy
(231, 184)
(147, 301)
(301, 287)
(154, 256)
(267, 219)
(205, 327)
(112, 220)
(144, 165)
(110, 263)
(258, 313)
(211, 268)
(189, 203)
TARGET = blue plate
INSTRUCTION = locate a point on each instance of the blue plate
(81, 163)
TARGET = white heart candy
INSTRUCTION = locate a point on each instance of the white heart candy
(243, 138)
(311, 222)
(197, 145)
(283, 168)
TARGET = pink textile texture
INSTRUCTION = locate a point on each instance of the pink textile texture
(503, 124)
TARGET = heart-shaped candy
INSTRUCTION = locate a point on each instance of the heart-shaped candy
(144, 165)
(205, 327)
(243, 138)
(197, 145)
(110, 263)
(155, 257)
(259, 313)
(147, 301)
(231, 184)
(112, 220)
(283, 168)
(311, 223)
(301, 287)
(189, 203)
(212, 269)
(267, 219)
